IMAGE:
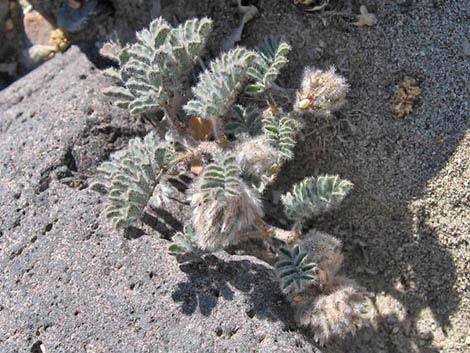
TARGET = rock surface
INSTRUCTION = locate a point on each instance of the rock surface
(72, 284)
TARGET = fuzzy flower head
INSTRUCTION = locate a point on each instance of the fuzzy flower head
(325, 250)
(220, 222)
(317, 248)
(321, 92)
(337, 313)
(224, 207)
(256, 158)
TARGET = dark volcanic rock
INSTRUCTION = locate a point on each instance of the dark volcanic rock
(76, 19)
(72, 284)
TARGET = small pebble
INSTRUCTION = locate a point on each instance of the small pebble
(38, 28)
(466, 47)
(74, 4)
(9, 25)
(38, 53)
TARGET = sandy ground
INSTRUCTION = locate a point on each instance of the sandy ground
(406, 226)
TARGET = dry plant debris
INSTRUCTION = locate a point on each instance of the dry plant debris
(200, 129)
(405, 98)
(310, 2)
(249, 13)
(365, 18)
(59, 40)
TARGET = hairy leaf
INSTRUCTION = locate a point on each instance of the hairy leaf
(222, 177)
(293, 270)
(312, 196)
(131, 176)
(271, 58)
(244, 121)
(183, 243)
(220, 84)
(151, 69)
(281, 135)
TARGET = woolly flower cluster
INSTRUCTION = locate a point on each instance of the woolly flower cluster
(321, 92)
(333, 306)
(325, 250)
(220, 221)
(343, 310)
(256, 158)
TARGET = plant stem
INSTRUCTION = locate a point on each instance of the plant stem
(171, 114)
(151, 121)
(174, 120)
(261, 234)
(219, 132)
(157, 181)
(267, 230)
(272, 103)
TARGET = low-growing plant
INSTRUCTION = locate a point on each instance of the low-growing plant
(233, 162)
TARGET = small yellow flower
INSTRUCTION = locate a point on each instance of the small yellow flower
(304, 103)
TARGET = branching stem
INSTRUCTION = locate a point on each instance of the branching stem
(272, 103)
(157, 181)
(267, 230)
(219, 128)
